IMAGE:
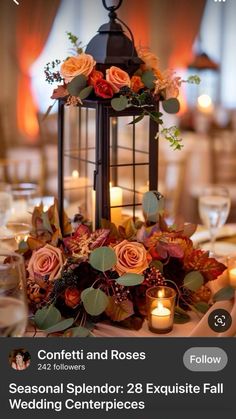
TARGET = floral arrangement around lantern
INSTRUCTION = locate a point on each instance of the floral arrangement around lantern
(80, 80)
(87, 276)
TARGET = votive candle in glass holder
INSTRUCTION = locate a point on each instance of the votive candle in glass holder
(160, 303)
(232, 270)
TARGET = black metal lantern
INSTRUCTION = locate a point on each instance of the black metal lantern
(106, 162)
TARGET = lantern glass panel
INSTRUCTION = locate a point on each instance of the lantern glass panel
(79, 161)
(129, 164)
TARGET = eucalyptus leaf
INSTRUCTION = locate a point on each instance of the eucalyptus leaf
(47, 317)
(76, 85)
(155, 118)
(171, 105)
(79, 331)
(202, 307)
(225, 293)
(103, 258)
(130, 279)
(62, 325)
(181, 316)
(95, 302)
(135, 120)
(84, 293)
(119, 103)
(148, 79)
(85, 92)
(153, 204)
(193, 280)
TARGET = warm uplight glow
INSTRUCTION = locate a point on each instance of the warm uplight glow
(75, 174)
(204, 101)
(160, 294)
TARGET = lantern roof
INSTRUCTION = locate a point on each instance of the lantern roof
(202, 61)
(112, 47)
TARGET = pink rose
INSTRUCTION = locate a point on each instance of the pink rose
(74, 66)
(117, 78)
(131, 257)
(46, 261)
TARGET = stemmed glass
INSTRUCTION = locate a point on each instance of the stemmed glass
(214, 206)
(5, 208)
(13, 303)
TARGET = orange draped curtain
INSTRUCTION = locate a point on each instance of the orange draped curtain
(33, 24)
(167, 27)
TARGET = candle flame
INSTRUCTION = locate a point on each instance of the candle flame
(160, 294)
(75, 174)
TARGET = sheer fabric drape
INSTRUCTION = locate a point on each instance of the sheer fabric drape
(33, 23)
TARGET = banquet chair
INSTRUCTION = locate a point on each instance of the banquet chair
(223, 166)
(23, 170)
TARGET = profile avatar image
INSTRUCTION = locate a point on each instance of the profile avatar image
(19, 359)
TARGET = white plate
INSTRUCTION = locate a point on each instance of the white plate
(221, 248)
(202, 235)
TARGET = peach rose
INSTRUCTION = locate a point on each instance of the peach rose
(80, 64)
(46, 261)
(117, 78)
(136, 83)
(150, 60)
(132, 257)
(94, 76)
(72, 297)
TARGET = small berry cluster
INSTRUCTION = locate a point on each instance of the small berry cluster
(153, 277)
(52, 75)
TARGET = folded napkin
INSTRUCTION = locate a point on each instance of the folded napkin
(203, 329)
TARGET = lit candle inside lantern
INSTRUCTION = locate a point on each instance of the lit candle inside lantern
(232, 277)
(161, 316)
(93, 216)
(116, 198)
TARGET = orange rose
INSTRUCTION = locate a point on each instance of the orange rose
(94, 76)
(150, 60)
(47, 261)
(117, 78)
(80, 64)
(131, 257)
(72, 297)
(136, 83)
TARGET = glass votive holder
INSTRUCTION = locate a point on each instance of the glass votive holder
(160, 304)
(231, 264)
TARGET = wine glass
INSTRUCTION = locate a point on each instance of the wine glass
(5, 208)
(214, 206)
(13, 303)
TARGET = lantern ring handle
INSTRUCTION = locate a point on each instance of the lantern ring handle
(111, 8)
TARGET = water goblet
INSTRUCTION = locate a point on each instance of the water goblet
(5, 208)
(214, 206)
(13, 302)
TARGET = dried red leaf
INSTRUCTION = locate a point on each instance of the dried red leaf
(59, 92)
(198, 260)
